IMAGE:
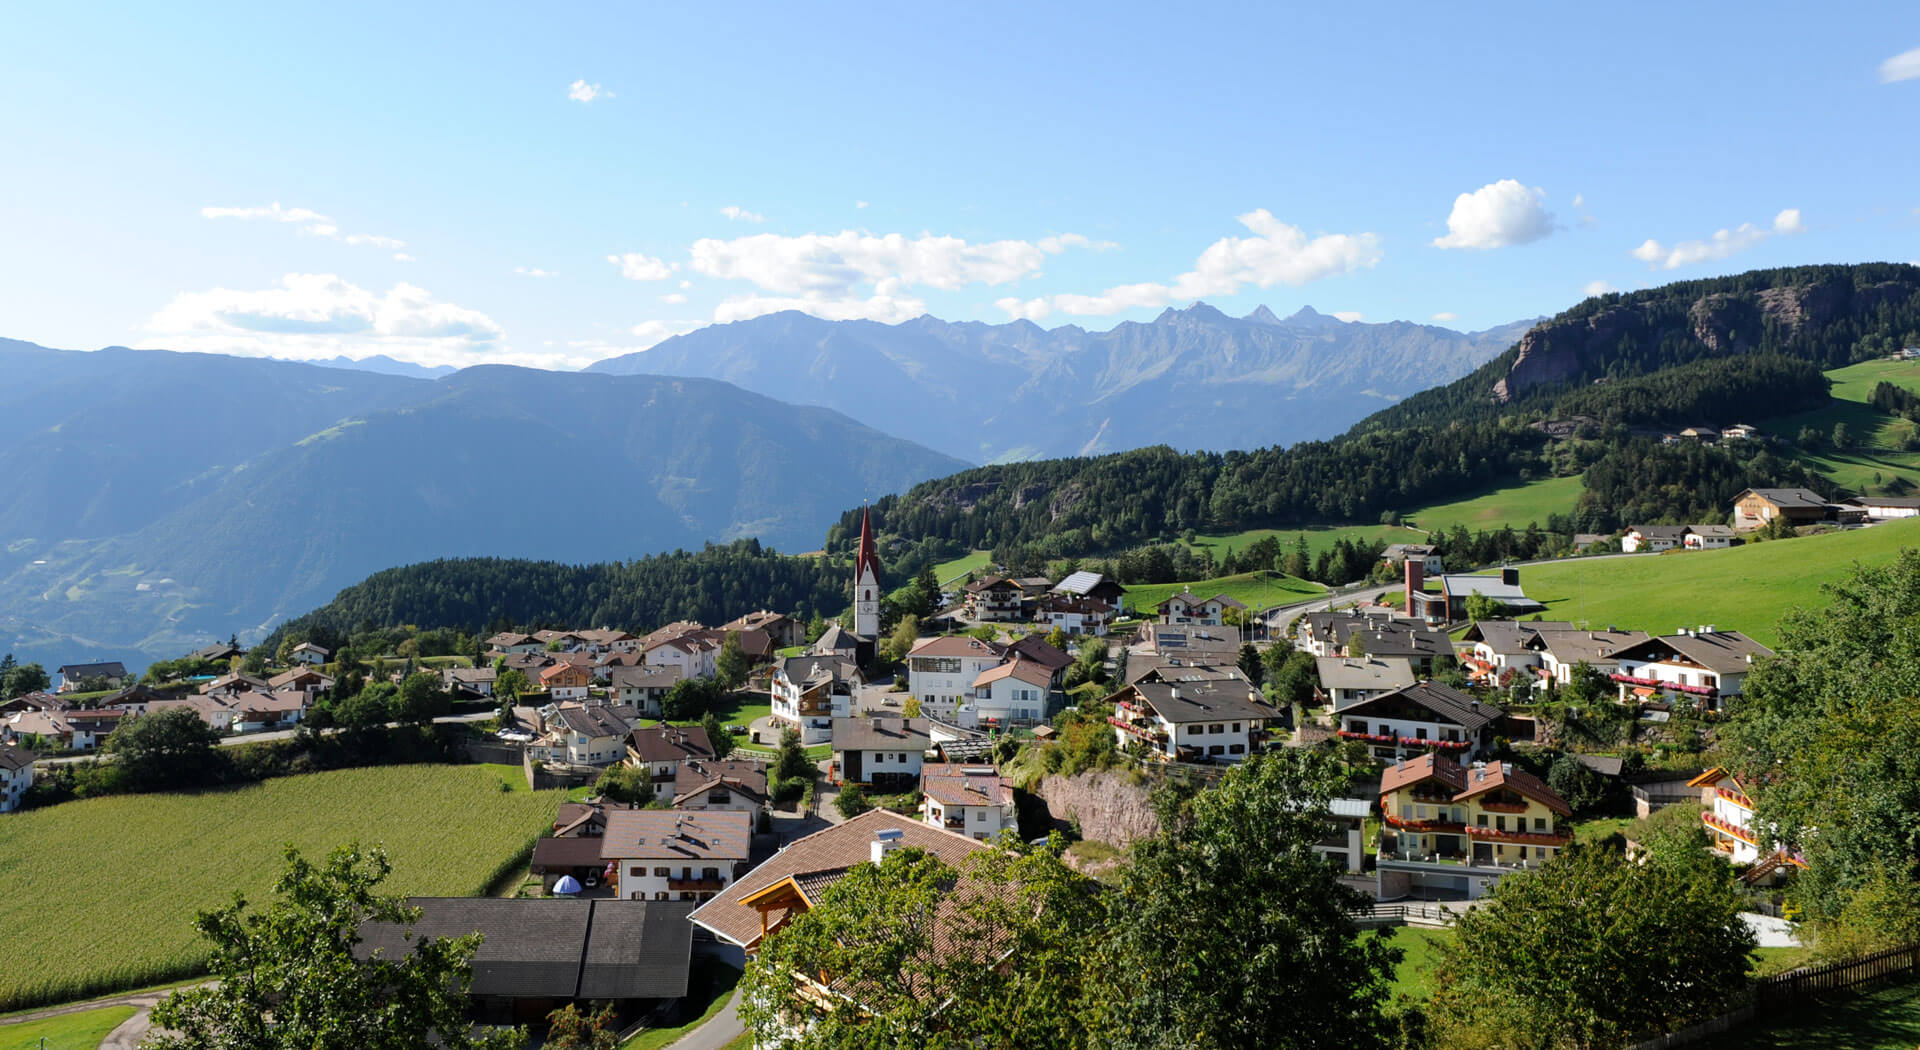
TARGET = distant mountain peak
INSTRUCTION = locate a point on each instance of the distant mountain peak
(1199, 311)
(1262, 315)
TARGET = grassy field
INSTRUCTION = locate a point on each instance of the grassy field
(1878, 435)
(81, 1031)
(1254, 590)
(101, 894)
(948, 571)
(1744, 588)
(1884, 1019)
(1421, 949)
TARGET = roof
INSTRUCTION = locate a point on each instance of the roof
(695, 776)
(1400, 640)
(1903, 502)
(1806, 498)
(1510, 636)
(312, 648)
(674, 834)
(1027, 671)
(644, 676)
(880, 733)
(1508, 594)
(508, 639)
(1371, 672)
(1430, 765)
(1351, 808)
(955, 645)
(1193, 599)
(1183, 702)
(991, 583)
(1189, 638)
(865, 557)
(836, 639)
(1496, 775)
(1605, 765)
(595, 721)
(670, 743)
(1450, 704)
(1721, 531)
(555, 948)
(108, 669)
(216, 651)
(1595, 647)
(472, 674)
(1723, 652)
(1084, 583)
(571, 851)
(16, 758)
(1035, 647)
(1676, 533)
(1175, 670)
(956, 785)
(819, 860)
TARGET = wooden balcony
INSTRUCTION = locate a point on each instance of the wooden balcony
(713, 885)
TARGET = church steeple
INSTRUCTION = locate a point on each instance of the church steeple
(866, 582)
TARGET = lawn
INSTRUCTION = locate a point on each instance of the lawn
(709, 989)
(1884, 1019)
(101, 894)
(948, 571)
(1877, 435)
(1743, 588)
(1421, 949)
(77, 1031)
(1256, 590)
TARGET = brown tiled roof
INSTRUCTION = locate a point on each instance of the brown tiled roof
(15, 758)
(952, 785)
(571, 851)
(1027, 671)
(694, 776)
(818, 861)
(673, 834)
(1034, 647)
(880, 734)
(954, 645)
(1496, 775)
(670, 744)
(1414, 770)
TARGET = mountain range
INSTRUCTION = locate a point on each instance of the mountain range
(162, 499)
(1192, 379)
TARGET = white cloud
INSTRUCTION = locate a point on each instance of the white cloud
(581, 91)
(1497, 215)
(739, 214)
(1903, 66)
(1579, 200)
(1349, 316)
(832, 264)
(1446, 315)
(1276, 254)
(533, 271)
(318, 315)
(674, 299)
(311, 222)
(637, 267)
(887, 307)
(402, 257)
(859, 204)
(684, 285)
(1595, 288)
(1722, 244)
(1056, 245)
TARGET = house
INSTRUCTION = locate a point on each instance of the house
(662, 750)
(703, 785)
(694, 653)
(782, 630)
(1728, 816)
(609, 640)
(995, 598)
(474, 681)
(1345, 681)
(1501, 648)
(642, 688)
(1453, 831)
(309, 653)
(1326, 633)
(1885, 508)
(218, 652)
(1175, 670)
(1397, 554)
(1583, 541)
(556, 857)
(559, 641)
(1701, 433)
(942, 672)
(111, 674)
(565, 681)
(1073, 614)
(35, 702)
(537, 955)
(1422, 717)
(838, 642)
(1756, 508)
(508, 642)
(671, 854)
(1703, 666)
(1013, 693)
(1415, 644)
(1709, 537)
(16, 775)
(586, 735)
(1563, 650)
(794, 880)
(1190, 722)
(883, 752)
(90, 727)
(580, 820)
(1653, 538)
(810, 692)
(1346, 847)
(1093, 585)
(134, 698)
(1200, 642)
(257, 712)
(1449, 605)
(967, 800)
(1740, 432)
(1187, 607)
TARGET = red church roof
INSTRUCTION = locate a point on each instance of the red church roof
(866, 557)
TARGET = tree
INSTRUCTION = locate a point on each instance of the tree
(1239, 858)
(717, 734)
(1580, 787)
(1292, 675)
(1480, 607)
(733, 664)
(570, 1028)
(1091, 659)
(421, 699)
(1058, 638)
(25, 678)
(910, 708)
(287, 975)
(1842, 437)
(1594, 950)
(169, 749)
(629, 785)
(792, 762)
(1250, 664)
(690, 698)
(510, 683)
(852, 801)
(906, 635)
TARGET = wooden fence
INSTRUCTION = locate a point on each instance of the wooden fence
(1785, 992)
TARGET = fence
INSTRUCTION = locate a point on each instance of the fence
(1783, 992)
(1416, 914)
(1658, 795)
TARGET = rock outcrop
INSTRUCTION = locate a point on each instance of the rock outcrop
(1108, 806)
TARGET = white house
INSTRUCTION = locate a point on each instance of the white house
(706, 785)
(670, 854)
(662, 750)
(886, 753)
(1073, 614)
(1186, 607)
(967, 800)
(1709, 537)
(1348, 680)
(609, 640)
(1563, 650)
(694, 655)
(1704, 665)
(1882, 508)
(995, 598)
(310, 654)
(1501, 649)
(810, 692)
(565, 681)
(1013, 693)
(586, 736)
(1652, 538)
(509, 642)
(642, 688)
(16, 775)
(475, 680)
(1190, 721)
(1420, 718)
(942, 672)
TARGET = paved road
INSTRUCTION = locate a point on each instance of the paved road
(125, 1037)
(722, 1028)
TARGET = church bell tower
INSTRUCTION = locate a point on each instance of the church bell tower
(866, 582)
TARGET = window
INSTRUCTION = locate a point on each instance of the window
(1481, 820)
(979, 815)
(636, 871)
(1499, 823)
(658, 873)
(686, 895)
(1236, 749)
(1216, 750)
(1236, 727)
(1356, 726)
(1193, 730)
(658, 895)
(1216, 728)
(1539, 823)
(1420, 734)
(710, 874)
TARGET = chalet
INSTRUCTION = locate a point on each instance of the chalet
(967, 800)
(1174, 670)
(1453, 831)
(1190, 722)
(642, 688)
(1093, 585)
(512, 642)
(304, 679)
(784, 631)
(695, 653)
(565, 681)
(994, 599)
(1416, 645)
(609, 640)
(1346, 681)
(1397, 554)
(16, 775)
(794, 880)
(218, 652)
(586, 735)
(839, 643)
(1032, 587)
(90, 727)
(668, 854)
(1740, 432)
(281, 709)
(1200, 642)
(1702, 666)
(1563, 650)
(1653, 538)
(1013, 693)
(473, 681)
(1885, 508)
(309, 653)
(1701, 433)
(134, 698)
(559, 641)
(1072, 614)
(1189, 608)
(810, 692)
(234, 682)
(1501, 649)
(942, 672)
(212, 708)
(35, 701)
(538, 955)
(704, 785)
(111, 674)
(1728, 815)
(662, 750)
(886, 753)
(1709, 537)
(1423, 717)
(1034, 647)
(1756, 508)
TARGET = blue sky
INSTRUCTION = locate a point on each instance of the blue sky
(456, 184)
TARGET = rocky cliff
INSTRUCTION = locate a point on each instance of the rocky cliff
(1109, 807)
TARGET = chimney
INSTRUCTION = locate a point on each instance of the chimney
(885, 841)
(1510, 577)
(1416, 576)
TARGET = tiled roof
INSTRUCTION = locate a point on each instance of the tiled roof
(15, 758)
(672, 834)
(880, 734)
(1496, 775)
(1414, 770)
(1723, 652)
(1025, 670)
(670, 744)
(594, 721)
(1450, 704)
(1034, 647)
(955, 645)
(694, 776)
(1184, 702)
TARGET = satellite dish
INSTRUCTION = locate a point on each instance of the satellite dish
(567, 884)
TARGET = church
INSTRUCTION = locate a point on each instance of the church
(866, 591)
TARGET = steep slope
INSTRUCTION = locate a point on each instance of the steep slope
(1192, 378)
(495, 461)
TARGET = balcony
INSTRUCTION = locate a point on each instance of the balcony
(1392, 848)
(713, 885)
(1143, 728)
(1492, 806)
(1659, 683)
(1444, 745)
(1728, 828)
(955, 823)
(1735, 797)
(1524, 838)
(1453, 827)
(1371, 738)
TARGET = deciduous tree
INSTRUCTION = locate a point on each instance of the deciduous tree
(166, 749)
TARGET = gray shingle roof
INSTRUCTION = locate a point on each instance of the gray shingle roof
(1184, 702)
(1450, 704)
(881, 734)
